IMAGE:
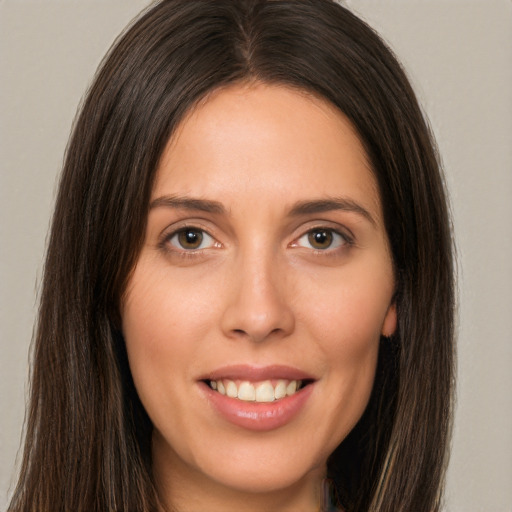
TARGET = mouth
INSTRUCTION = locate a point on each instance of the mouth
(257, 398)
(265, 391)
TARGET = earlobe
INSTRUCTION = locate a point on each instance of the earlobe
(389, 324)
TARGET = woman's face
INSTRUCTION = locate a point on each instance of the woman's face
(253, 316)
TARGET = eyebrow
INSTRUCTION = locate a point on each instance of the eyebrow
(298, 209)
(330, 204)
(188, 203)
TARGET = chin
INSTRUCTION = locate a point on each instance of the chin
(247, 464)
(266, 478)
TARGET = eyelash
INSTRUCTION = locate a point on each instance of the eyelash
(168, 247)
(345, 241)
(342, 241)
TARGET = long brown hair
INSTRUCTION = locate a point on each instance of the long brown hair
(87, 445)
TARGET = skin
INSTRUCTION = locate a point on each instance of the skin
(256, 291)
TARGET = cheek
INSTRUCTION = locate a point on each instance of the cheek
(160, 311)
(351, 310)
(162, 331)
(346, 319)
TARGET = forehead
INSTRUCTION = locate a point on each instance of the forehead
(268, 141)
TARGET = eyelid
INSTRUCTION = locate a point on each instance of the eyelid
(346, 236)
(338, 243)
(174, 230)
(206, 238)
(344, 232)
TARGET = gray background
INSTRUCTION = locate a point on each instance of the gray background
(459, 57)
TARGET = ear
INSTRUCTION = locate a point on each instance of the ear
(389, 324)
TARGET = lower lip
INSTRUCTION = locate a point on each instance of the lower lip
(256, 415)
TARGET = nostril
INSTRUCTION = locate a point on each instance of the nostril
(257, 336)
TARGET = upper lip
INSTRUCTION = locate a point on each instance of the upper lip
(257, 373)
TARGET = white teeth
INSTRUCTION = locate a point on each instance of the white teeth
(231, 389)
(291, 388)
(246, 392)
(280, 391)
(265, 392)
(261, 392)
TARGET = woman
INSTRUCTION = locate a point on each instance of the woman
(248, 291)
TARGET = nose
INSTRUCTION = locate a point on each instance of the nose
(257, 308)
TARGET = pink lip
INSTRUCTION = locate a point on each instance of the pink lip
(252, 415)
(256, 373)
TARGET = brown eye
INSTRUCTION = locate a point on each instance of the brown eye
(320, 238)
(191, 239)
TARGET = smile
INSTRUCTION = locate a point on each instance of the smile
(257, 398)
(263, 392)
